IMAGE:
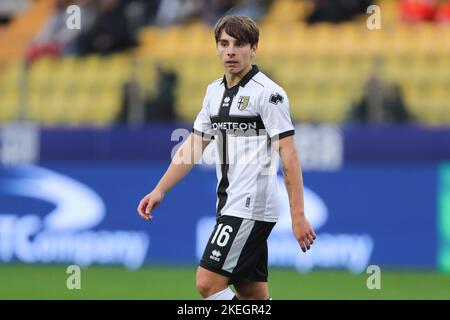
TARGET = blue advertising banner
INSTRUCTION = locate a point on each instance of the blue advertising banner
(320, 145)
(396, 143)
(85, 213)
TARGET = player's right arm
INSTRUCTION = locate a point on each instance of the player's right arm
(182, 163)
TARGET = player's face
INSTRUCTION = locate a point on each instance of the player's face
(236, 55)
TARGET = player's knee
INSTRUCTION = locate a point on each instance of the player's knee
(204, 287)
(207, 287)
(209, 283)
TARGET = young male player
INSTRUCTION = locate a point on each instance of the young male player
(247, 115)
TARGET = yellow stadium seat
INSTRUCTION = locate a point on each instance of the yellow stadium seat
(9, 107)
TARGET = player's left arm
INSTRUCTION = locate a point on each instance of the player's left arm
(274, 111)
(293, 180)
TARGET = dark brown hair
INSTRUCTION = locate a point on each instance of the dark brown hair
(242, 28)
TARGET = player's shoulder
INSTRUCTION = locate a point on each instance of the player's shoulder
(268, 85)
(215, 83)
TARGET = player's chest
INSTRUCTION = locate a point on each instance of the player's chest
(237, 102)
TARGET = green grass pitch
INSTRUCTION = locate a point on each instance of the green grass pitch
(178, 283)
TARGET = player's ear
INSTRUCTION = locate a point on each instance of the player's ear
(254, 48)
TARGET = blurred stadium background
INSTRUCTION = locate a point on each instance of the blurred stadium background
(89, 117)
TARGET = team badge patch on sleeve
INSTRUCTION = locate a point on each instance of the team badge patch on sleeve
(275, 98)
(243, 102)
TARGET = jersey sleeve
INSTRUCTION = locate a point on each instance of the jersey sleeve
(275, 114)
(202, 124)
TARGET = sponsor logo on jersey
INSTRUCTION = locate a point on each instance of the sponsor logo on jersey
(226, 102)
(215, 255)
(234, 126)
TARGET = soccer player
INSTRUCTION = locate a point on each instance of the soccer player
(247, 116)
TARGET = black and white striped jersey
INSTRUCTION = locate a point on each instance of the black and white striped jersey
(243, 120)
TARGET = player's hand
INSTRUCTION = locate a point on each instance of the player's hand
(303, 232)
(148, 203)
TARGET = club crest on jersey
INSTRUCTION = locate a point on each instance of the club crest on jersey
(243, 102)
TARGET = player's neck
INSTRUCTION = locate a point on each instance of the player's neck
(234, 78)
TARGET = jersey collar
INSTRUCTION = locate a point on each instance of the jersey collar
(245, 79)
